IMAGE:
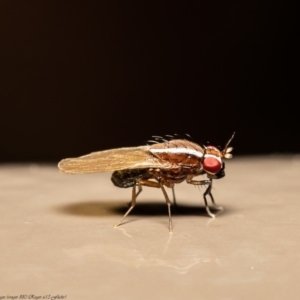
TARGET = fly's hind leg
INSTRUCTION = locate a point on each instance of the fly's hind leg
(133, 203)
(159, 184)
(148, 183)
(174, 196)
(139, 191)
(169, 205)
(207, 192)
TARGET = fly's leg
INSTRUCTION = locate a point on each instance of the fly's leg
(212, 199)
(169, 206)
(133, 202)
(148, 183)
(207, 192)
(174, 196)
(139, 191)
(159, 184)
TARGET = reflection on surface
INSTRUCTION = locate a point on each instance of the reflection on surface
(145, 242)
(148, 247)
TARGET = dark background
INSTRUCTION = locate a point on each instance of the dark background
(81, 76)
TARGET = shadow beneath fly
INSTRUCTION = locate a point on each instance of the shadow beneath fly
(91, 208)
(108, 208)
(157, 208)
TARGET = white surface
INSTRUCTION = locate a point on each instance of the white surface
(57, 236)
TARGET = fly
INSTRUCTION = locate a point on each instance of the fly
(161, 164)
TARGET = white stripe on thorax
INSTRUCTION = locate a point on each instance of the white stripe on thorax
(178, 151)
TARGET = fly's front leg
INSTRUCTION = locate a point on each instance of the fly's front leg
(207, 192)
(212, 198)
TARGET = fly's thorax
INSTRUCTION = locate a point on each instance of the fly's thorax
(178, 153)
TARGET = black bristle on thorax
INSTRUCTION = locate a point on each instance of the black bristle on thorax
(168, 137)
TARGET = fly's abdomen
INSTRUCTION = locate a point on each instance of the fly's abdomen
(129, 178)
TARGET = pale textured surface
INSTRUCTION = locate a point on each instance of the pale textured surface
(57, 238)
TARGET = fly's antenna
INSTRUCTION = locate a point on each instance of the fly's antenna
(226, 152)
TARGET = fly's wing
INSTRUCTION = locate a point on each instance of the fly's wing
(112, 160)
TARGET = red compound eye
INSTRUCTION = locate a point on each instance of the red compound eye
(212, 165)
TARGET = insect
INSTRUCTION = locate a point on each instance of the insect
(161, 164)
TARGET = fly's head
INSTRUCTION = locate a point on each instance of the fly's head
(212, 160)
